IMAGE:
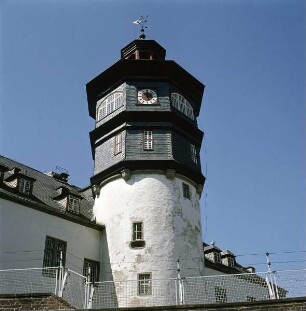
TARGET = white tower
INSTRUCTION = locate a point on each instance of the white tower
(147, 178)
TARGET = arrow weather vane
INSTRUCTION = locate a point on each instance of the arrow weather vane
(141, 21)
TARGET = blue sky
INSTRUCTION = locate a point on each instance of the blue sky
(249, 54)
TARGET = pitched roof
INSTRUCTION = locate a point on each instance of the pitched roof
(46, 189)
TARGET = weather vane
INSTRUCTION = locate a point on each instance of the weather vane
(142, 21)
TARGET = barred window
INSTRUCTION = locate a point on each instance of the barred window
(186, 191)
(110, 104)
(181, 103)
(73, 204)
(137, 231)
(147, 140)
(220, 294)
(144, 284)
(94, 267)
(118, 144)
(194, 153)
(53, 250)
(24, 186)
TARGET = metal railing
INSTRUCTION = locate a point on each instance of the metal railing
(79, 292)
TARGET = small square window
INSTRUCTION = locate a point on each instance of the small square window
(186, 191)
(24, 186)
(144, 284)
(73, 204)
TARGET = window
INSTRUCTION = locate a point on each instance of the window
(54, 248)
(118, 144)
(73, 204)
(24, 186)
(110, 104)
(220, 294)
(250, 298)
(94, 270)
(181, 103)
(193, 153)
(144, 284)
(217, 257)
(137, 231)
(147, 140)
(231, 262)
(186, 191)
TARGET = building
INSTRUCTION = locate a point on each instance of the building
(141, 212)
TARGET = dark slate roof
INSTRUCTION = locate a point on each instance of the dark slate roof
(208, 248)
(46, 193)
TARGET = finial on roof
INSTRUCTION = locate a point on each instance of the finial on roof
(141, 21)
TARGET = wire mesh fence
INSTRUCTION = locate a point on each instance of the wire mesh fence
(28, 281)
(74, 288)
(131, 294)
(202, 290)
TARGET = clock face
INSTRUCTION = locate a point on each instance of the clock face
(147, 96)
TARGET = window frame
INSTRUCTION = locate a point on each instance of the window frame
(75, 206)
(194, 153)
(118, 143)
(24, 186)
(144, 286)
(217, 257)
(231, 262)
(186, 191)
(180, 103)
(148, 140)
(54, 252)
(110, 104)
(136, 231)
(94, 267)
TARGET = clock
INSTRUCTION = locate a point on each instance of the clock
(147, 97)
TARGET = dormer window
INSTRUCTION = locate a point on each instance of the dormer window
(228, 258)
(231, 262)
(73, 204)
(24, 186)
(217, 257)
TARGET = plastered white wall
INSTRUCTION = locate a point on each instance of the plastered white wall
(171, 225)
(25, 229)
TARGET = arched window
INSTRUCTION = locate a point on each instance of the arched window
(181, 103)
(110, 104)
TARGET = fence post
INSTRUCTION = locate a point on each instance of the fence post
(271, 280)
(89, 291)
(62, 277)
